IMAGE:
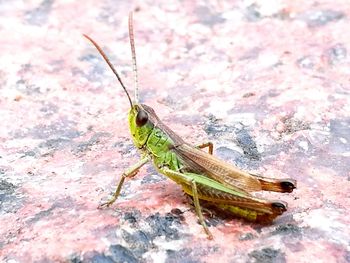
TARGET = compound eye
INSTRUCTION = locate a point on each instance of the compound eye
(141, 118)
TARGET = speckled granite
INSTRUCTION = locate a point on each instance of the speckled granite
(266, 81)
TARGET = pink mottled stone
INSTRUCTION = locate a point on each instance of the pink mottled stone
(266, 81)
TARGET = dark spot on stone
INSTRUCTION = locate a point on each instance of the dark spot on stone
(164, 226)
(60, 203)
(340, 135)
(89, 58)
(44, 260)
(152, 176)
(317, 18)
(9, 202)
(97, 72)
(91, 256)
(75, 258)
(39, 15)
(242, 138)
(248, 145)
(6, 188)
(138, 242)
(175, 104)
(216, 129)
(251, 54)
(131, 217)
(26, 67)
(86, 146)
(183, 255)
(100, 258)
(307, 62)
(58, 135)
(293, 125)
(249, 94)
(207, 17)
(49, 109)
(122, 254)
(246, 236)
(63, 128)
(56, 65)
(287, 229)
(107, 14)
(282, 15)
(65, 202)
(252, 13)
(55, 144)
(3, 170)
(273, 93)
(125, 147)
(27, 88)
(336, 54)
(176, 211)
(213, 221)
(42, 214)
(347, 256)
(267, 255)
(29, 153)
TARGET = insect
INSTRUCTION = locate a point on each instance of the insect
(202, 176)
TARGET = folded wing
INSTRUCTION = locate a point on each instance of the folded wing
(198, 161)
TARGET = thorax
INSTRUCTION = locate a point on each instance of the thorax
(159, 145)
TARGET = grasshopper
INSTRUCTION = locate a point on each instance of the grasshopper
(202, 176)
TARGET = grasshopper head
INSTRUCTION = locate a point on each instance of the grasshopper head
(140, 124)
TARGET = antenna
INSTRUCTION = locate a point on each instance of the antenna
(133, 53)
(110, 65)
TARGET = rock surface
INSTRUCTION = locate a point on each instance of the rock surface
(266, 81)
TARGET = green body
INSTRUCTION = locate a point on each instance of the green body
(153, 139)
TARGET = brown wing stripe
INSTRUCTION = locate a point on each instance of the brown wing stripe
(276, 185)
(204, 163)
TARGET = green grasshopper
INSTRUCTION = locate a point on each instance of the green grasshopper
(201, 175)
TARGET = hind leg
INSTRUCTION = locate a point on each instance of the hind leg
(183, 179)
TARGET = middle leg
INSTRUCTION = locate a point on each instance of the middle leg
(207, 144)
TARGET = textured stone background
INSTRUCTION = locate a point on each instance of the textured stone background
(266, 81)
